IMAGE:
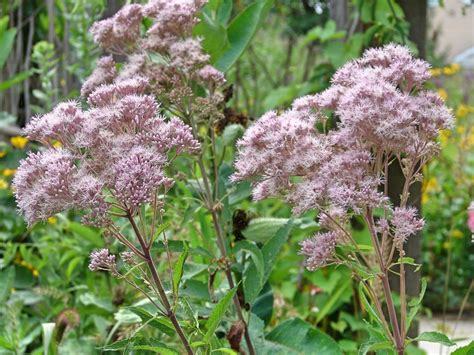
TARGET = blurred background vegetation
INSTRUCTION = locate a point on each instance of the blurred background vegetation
(46, 52)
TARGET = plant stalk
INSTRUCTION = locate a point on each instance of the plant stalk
(159, 286)
(399, 341)
(221, 241)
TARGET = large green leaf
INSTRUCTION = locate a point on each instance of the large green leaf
(241, 31)
(256, 255)
(465, 350)
(214, 36)
(300, 337)
(263, 229)
(217, 314)
(252, 283)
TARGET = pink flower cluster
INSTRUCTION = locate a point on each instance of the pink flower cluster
(102, 260)
(165, 52)
(115, 151)
(381, 111)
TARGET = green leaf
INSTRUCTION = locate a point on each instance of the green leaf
(7, 278)
(159, 349)
(273, 246)
(73, 266)
(255, 254)
(435, 337)
(231, 133)
(7, 39)
(465, 350)
(333, 299)
(298, 336)
(157, 322)
(263, 229)
(3, 24)
(18, 78)
(368, 306)
(252, 284)
(241, 31)
(178, 269)
(215, 40)
(263, 304)
(415, 304)
(224, 11)
(118, 345)
(217, 314)
(48, 331)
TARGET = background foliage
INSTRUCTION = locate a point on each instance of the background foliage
(272, 52)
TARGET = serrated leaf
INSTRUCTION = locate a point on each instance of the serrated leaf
(435, 337)
(217, 314)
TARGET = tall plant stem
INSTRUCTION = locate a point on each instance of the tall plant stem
(159, 285)
(211, 206)
(399, 341)
(223, 250)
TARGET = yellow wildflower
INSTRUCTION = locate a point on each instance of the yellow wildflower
(435, 72)
(2, 153)
(35, 273)
(446, 245)
(451, 69)
(444, 137)
(424, 199)
(462, 111)
(457, 234)
(443, 94)
(52, 220)
(3, 184)
(19, 142)
(461, 129)
(8, 172)
(57, 144)
(455, 67)
(431, 185)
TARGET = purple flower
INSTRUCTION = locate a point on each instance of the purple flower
(104, 73)
(319, 250)
(405, 224)
(102, 260)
